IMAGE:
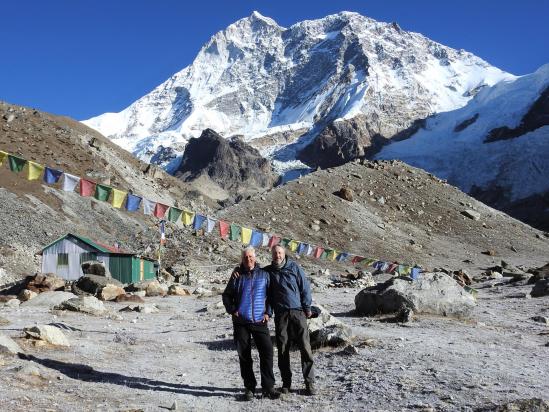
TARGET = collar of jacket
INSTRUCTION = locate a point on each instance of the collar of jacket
(245, 271)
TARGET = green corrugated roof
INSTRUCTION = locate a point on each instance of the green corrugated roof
(83, 239)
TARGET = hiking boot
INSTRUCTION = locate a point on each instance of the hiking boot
(310, 389)
(271, 393)
(285, 390)
(248, 395)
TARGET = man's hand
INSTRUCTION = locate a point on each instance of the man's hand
(235, 274)
(235, 314)
(308, 314)
(265, 318)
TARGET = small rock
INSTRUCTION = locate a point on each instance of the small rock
(8, 346)
(47, 333)
(471, 214)
(27, 294)
(177, 290)
(540, 319)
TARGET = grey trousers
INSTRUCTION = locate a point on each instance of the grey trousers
(291, 325)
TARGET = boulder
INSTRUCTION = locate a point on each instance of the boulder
(539, 274)
(155, 288)
(327, 330)
(94, 267)
(541, 288)
(216, 308)
(47, 333)
(167, 276)
(49, 299)
(462, 277)
(202, 292)
(129, 298)
(27, 294)
(86, 304)
(345, 193)
(146, 308)
(178, 291)
(111, 292)
(431, 293)
(45, 282)
(94, 284)
(8, 346)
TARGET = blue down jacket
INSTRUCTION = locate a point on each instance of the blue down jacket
(247, 294)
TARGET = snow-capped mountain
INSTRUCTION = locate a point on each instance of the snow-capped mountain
(275, 86)
(496, 147)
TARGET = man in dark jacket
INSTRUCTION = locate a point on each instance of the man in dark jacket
(245, 298)
(290, 297)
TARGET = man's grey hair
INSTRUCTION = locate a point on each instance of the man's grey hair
(279, 246)
(247, 249)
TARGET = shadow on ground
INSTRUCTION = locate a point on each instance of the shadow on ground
(86, 373)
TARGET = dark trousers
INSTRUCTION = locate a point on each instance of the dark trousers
(291, 326)
(262, 338)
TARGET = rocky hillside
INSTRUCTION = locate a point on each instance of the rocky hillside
(33, 214)
(223, 168)
(394, 213)
(495, 148)
(275, 86)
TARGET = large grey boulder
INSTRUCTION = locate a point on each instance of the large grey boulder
(8, 346)
(431, 293)
(86, 304)
(94, 267)
(327, 330)
(48, 299)
(47, 333)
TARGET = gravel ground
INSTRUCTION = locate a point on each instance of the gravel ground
(134, 361)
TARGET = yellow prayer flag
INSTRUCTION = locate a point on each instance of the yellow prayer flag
(406, 270)
(187, 217)
(246, 235)
(332, 255)
(293, 245)
(35, 170)
(118, 197)
(3, 155)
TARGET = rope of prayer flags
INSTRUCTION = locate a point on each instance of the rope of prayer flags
(232, 231)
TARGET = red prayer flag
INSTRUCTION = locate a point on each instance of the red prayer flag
(160, 210)
(318, 252)
(87, 187)
(273, 241)
(357, 259)
(223, 229)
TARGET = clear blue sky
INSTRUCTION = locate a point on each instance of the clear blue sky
(83, 58)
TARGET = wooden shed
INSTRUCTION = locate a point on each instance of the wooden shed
(65, 255)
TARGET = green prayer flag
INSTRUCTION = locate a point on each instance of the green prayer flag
(16, 163)
(285, 242)
(174, 214)
(102, 192)
(235, 232)
(325, 254)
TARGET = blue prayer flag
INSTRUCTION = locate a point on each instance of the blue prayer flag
(415, 273)
(302, 248)
(198, 221)
(132, 202)
(342, 256)
(257, 239)
(51, 176)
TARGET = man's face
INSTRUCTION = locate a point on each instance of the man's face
(278, 255)
(248, 260)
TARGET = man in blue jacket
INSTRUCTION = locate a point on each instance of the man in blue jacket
(290, 297)
(245, 298)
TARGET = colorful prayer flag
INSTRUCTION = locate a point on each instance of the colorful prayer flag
(87, 187)
(223, 229)
(246, 235)
(3, 156)
(160, 210)
(415, 273)
(285, 242)
(174, 214)
(302, 248)
(16, 163)
(273, 241)
(332, 255)
(265, 240)
(292, 245)
(234, 233)
(342, 257)
(187, 218)
(257, 239)
(310, 250)
(318, 252)
(51, 176)
(162, 232)
(210, 224)
(70, 182)
(133, 202)
(117, 198)
(102, 192)
(357, 259)
(198, 221)
(148, 206)
(34, 171)
(324, 254)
